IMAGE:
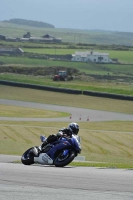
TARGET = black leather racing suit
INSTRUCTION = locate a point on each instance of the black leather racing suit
(54, 137)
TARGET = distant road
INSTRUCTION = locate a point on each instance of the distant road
(76, 114)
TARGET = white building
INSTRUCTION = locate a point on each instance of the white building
(90, 56)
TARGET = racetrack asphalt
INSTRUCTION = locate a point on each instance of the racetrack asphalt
(38, 182)
(76, 114)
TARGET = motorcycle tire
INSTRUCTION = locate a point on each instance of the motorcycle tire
(61, 162)
(27, 158)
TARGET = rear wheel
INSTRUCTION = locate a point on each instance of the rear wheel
(63, 160)
(27, 158)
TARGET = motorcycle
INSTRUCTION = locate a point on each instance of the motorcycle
(59, 153)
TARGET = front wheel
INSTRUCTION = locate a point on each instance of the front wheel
(64, 159)
(27, 158)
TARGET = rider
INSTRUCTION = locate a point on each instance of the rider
(72, 129)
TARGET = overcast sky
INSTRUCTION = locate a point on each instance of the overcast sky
(115, 15)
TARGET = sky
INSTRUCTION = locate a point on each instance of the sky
(113, 15)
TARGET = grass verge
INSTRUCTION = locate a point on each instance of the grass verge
(104, 144)
(102, 165)
(82, 101)
(16, 111)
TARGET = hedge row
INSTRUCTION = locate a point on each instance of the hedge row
(108, 95)
(68, 91)
(40, 87)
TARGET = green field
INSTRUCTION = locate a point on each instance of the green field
(70, 35)
(118, 80)
(82, 84)
(122, 56)
(16, 111)
(56, 98)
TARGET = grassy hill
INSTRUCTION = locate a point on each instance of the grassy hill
(29, 23)
(70, 35)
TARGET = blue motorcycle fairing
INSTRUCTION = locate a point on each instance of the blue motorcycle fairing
(56, 147)
(74, 141)
(63, 143)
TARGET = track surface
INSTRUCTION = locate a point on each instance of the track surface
(77, 114)
(20, 182)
